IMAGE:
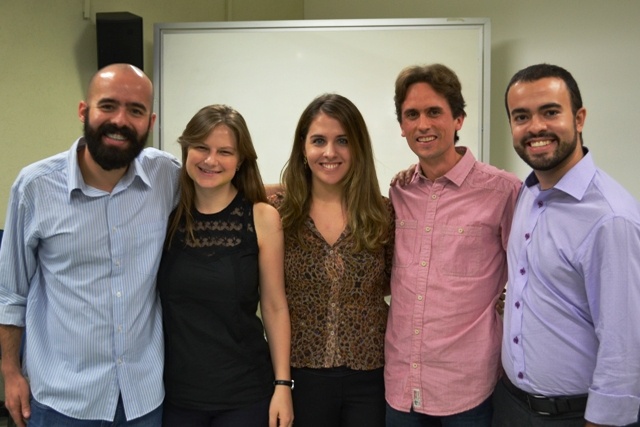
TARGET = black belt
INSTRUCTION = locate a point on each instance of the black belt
(547, 405)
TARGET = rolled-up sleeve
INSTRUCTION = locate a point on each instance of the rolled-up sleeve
(17, 259)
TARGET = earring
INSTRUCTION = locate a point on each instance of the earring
(304, 161)
(237, 168)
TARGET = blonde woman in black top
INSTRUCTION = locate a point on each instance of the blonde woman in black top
(224, 254)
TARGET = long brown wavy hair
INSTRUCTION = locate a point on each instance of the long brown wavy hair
(246, 180)
(367, 215)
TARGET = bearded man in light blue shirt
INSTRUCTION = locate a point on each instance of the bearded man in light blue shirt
(82, 243)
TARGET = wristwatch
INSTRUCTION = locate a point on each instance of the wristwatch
(284, 382)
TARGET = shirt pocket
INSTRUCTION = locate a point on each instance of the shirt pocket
(461, 249)
(404, 247)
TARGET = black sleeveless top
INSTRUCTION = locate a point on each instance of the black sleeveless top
(216, 355)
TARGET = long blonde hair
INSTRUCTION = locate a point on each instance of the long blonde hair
(246, 180)
(367, 215)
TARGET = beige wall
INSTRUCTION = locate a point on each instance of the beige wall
(598, 41)
(48, 53)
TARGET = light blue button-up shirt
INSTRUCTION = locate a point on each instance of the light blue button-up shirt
(78, 269)
(572, 314)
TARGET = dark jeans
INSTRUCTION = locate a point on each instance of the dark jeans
(256, 415)
(338, 397)
(44, 416)
(480, 416)
(511, 411)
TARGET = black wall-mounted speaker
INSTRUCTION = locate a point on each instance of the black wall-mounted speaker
(119, 36)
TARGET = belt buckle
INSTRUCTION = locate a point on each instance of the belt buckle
(539, 397)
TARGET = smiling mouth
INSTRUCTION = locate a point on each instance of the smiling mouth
(426, 138)
(330, 166)
(538, 144)
(208, 171)
(116, 136)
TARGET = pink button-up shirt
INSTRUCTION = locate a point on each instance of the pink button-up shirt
(442, 346)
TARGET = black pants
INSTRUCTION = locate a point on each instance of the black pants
(256, 415)
(338, 397)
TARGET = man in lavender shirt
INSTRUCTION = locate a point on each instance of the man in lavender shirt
(442, 346)
(571, 348)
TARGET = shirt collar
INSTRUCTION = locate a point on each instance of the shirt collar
(576, 181)
(459, 172)
(75, 181)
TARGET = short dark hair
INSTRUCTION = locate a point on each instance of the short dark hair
(541, 71)
(440, 77)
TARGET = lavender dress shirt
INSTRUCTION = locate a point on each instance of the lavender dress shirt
(572, 315)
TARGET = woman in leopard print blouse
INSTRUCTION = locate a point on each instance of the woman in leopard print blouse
(338, 250)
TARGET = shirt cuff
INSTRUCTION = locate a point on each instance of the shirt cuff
(12, 315)
(612, 410)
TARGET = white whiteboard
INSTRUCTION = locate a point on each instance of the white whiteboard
(270, 70)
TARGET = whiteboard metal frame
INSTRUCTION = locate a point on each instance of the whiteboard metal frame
(162, 30)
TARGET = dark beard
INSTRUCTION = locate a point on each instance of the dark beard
(110, 158)
(563, 151)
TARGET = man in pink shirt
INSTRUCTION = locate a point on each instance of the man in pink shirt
(442, 346)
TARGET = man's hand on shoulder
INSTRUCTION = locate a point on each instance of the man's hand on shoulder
(403, 177)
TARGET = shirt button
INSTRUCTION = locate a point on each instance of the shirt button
(433, 196)
(118, 294)
(414, 365)
(520, 375)
(419, 297)
(402, 223)
(526, 236)
(522, 271)
(516, 340)
(331, 252)
(423, 263)
(517, 304)
(427, 229)
(416, 331)
(119, 361)
(460, 230)
(540, 204)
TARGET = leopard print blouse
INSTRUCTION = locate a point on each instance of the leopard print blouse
(336, 299)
